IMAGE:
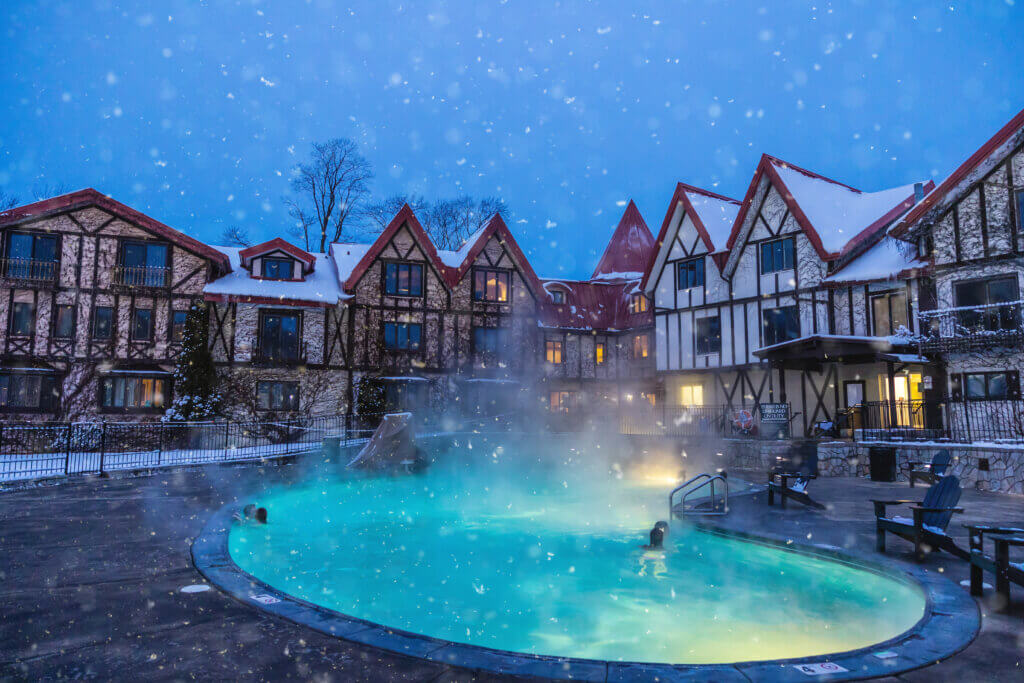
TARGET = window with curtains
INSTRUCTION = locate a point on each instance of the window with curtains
(31, 256)
(777, 255)
(553, 351)
(691, 395)
(709, 335)
(637, 303)
(986, 386)
(403, 279)
(889, 313)
(129, 392)
(599, 353)
(641, 346)
(690, 273)
(28, 391)
(144, 264)
(490, 285)
(561, 401)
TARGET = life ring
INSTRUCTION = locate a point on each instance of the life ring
(743, 420)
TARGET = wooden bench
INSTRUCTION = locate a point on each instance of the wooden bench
(927, 529)
(1003, 538)
(929, 472)
(784, 490)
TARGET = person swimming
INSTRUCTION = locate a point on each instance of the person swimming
(657, 536)
(251, 513)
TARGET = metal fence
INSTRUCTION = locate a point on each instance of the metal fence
(32, 450)
(959, 420)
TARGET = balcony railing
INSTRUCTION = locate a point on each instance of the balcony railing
(970, 328)
(30, 270)
(142, 276)
(278, 354)
(959, 420)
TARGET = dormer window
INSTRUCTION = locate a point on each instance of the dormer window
(277, 268)
(558, 296)
(637, 303)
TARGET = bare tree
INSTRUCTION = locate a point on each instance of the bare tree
(43, 190)
(7, 200)
(234, 236)
(327, 190)
(449, 222)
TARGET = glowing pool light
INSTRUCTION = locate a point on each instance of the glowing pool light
(540, 553)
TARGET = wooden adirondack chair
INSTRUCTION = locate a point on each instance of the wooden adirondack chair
(930, 473)
(999, 564)
(802, 470)
(927, 529)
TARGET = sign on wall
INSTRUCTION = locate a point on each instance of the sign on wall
(774, 420)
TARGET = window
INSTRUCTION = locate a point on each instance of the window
(924, 246)
(277, 268)
(691, 395)
(599, 353)
(279, 337)
(103, 322)
(406, 394)
(780, 324)
(637, 303)
(31, 257)
(986, 386)
(981, 297)
(777, 255)
(561, 401)
(489, 339)
(178, 320)
(144, 264)
(142, 324)
(490, 285)
(64, 322)
(403, 279)
(277, 395)
(1020, 210)
(130, 392)
(690, 273)
(889, 313)
(558, 296)
(709, 335)
(640, 347)
(23, 319)
(27, 391)
(402, 336)
(553, 351)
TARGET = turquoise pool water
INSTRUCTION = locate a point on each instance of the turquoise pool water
(515, 549)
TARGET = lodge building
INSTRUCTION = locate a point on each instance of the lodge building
(840, 302)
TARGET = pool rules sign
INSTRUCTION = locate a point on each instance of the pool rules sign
(774, 420)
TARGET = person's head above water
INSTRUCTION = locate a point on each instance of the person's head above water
(261, 515)
(663, 525)
(657, 537)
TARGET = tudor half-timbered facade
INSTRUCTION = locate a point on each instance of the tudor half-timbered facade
(971, 230)
(93, 300)
(743, 313)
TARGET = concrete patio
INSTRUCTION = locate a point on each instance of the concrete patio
(93, 569)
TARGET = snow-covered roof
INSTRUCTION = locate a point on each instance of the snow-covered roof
(884, 261)
(716, 214)
(321, 286)
(346, 255)
(837, 212)
(454, 259)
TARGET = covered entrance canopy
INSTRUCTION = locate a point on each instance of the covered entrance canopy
(805, 352)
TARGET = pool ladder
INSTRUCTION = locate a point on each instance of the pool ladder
(699, 483)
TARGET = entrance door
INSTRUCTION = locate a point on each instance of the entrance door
(853, 397)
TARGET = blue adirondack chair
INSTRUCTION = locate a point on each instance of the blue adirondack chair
(927, 528)
(930, 472)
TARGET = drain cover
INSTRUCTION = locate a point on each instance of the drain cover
(195, 588)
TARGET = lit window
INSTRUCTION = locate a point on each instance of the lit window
(640, 346)
(691, 395)
(599, 353)
(561, 401)
(132, 393)
(777, 255)
(490, 285)
(637, 303)
(553, 351)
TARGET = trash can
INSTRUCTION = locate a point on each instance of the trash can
(882, 463)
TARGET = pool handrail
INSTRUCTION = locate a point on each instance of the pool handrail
(694, 484)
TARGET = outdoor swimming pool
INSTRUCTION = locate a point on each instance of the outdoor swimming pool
(537, 550)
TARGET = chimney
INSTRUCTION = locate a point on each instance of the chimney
(918, 192)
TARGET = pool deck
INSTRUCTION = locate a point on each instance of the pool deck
(92, 570)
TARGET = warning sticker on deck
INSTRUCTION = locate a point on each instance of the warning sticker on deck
(265, 599)
(820, 668)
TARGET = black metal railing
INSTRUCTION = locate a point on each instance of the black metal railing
(967, 328)
(30, 270)
(142, 276)
(689, 420)
(278, 354)
(957, 420)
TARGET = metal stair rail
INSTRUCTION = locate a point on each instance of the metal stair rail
(698, 483)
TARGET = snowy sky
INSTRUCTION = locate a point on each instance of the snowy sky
(195, 111)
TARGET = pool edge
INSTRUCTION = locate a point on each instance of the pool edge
(951, 622)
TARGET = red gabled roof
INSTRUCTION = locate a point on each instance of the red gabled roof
(973, 161)
(405, 216)
(680, 196)
(496, 227)
(245, 255)
(630, 247)
(595, 305)
(82, 199)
